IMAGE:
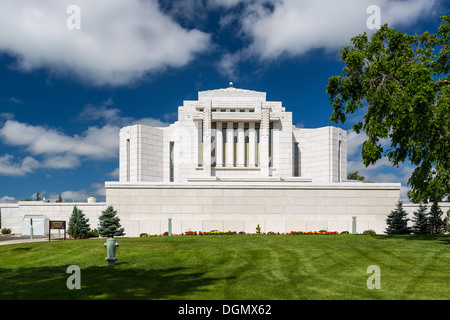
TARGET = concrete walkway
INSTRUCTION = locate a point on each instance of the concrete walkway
(13, 239)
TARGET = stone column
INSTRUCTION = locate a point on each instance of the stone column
(251, 145)
(240, 146)
(229, 161)
(219, 145)
(207, 141)
(264, 142)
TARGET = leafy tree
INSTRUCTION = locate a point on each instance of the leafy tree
(421, 223)
(59, 199)
(397, 221)
(355, 176)
(402, 83)
(110, 224)
(38, 196)
(435, 218)
(78, 224)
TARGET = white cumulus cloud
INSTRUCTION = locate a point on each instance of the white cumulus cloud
(96, 143)
(117, 43)
(277, 28)
(9, 167)
(52, 148)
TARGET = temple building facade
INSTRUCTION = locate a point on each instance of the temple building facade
(232, 161)
(232, 135)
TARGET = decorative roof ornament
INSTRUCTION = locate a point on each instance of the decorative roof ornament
(231, 84)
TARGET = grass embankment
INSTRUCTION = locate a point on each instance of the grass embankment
(231, 267)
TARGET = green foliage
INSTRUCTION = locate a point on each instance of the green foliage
(435, 219)
(355, 176)
(6, 231)
(369, 232)
(59, 199)
(78, 224)
(258, 229)
(402, 82)
(93, 233)
(397, 222)
(38, 196)
(110, 224)
(421, 221)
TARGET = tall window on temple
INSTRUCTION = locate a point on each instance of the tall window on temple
(235, 143)
(257, 143)
(171, 152)
(296, 160)
(246, 141)
(270, 144)
(213, 144)
(128, 159)
(339, 162)
(224, 142)
(200, 144)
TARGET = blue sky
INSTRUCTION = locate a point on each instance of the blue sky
(67, 88)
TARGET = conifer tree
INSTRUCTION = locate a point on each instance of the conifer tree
(78, 224)
(421, 223)
(397, 221)
(435, 218)
(110, 224)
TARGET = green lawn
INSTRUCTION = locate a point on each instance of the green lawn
(231, 268)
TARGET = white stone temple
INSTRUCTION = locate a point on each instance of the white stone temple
(232, 161)
(232, 135)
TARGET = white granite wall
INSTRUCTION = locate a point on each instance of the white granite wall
(278, 207)
(12, 214)
(319, 153)
(141, 159)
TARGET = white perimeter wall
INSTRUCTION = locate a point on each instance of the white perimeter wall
(12, 214)
(281, 208)
(278, 207)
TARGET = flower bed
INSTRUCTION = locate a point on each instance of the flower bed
(241, 233)
(218, 233)
(313, 232)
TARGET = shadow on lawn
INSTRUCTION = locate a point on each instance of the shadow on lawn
(444, 239)
(112, 283)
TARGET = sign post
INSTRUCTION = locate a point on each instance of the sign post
(56, 225)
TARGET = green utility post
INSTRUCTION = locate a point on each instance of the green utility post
(31, 228)
(170, 227)
(111, 246)
(354, 225)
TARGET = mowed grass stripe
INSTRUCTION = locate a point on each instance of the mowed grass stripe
(231, 267)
